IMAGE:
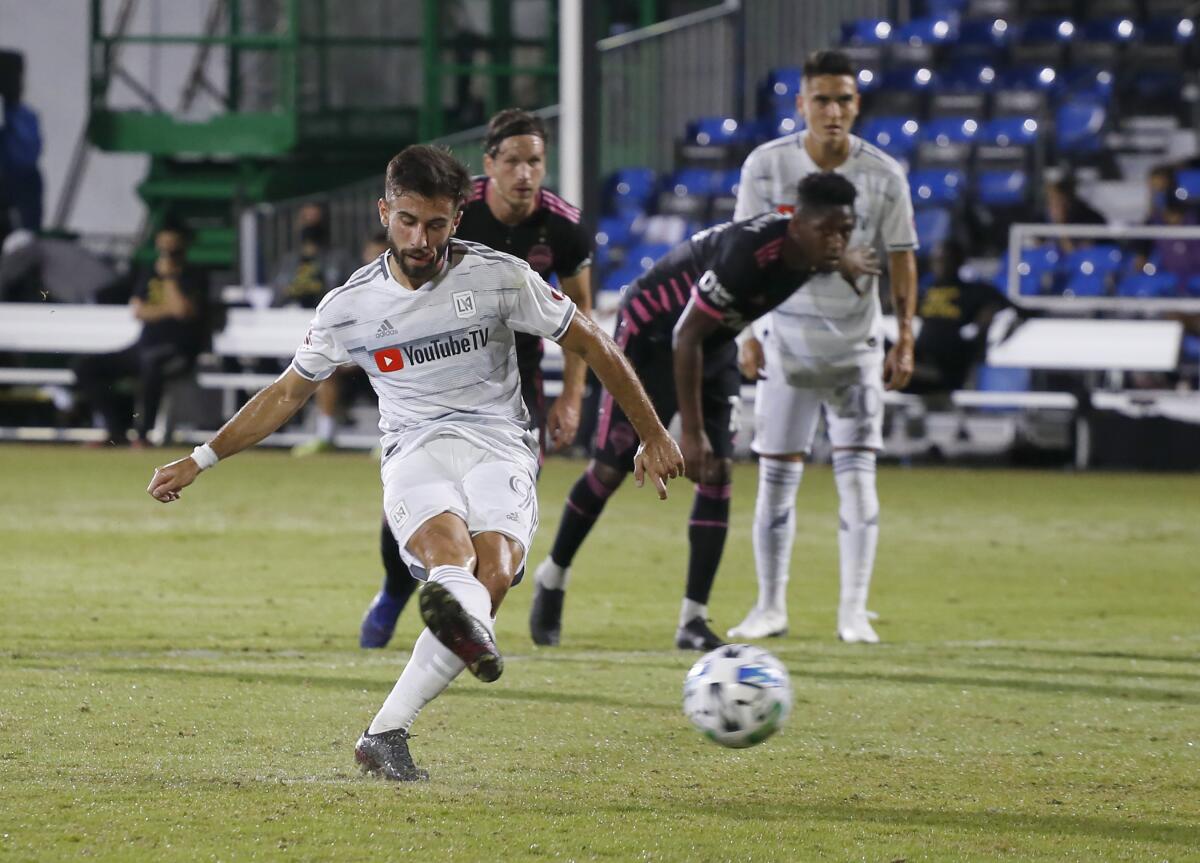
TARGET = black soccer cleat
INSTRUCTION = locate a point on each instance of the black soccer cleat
(545, 615)
(696, 635)
(386, 754)
(462, 634)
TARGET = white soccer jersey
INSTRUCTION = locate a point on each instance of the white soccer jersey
(827, 325)
(439, 358)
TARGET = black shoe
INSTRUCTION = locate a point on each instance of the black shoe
(386, 754)
(545, 616)
(462, 634)
(695, 635)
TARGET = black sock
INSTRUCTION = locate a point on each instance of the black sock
(706, 539)
(584, 505)
(398, 582)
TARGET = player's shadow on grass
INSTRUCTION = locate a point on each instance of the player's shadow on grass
(1048, 687)
(500, 692)
(998, 824)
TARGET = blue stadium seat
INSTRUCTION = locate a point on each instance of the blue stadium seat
(700, 182)
(969, 76)
(867, 31)
(630, 189)
(1002, 188)
(896, 136)
(1169, 30)
(1077, 127)
(933, 226)
(1187, 186)
(995, 379)
(1009, 131)
(1035, 270)
(1039, 31)
(712, 131)
(1089, 83)
(1192, 288)
(644, 256)
(1189, 351)
(935, 187)
(1115, 30)
(727, 182)
(622, 276)
(982, 37)
(950, 130)
(1088, 272)
(910, 78)
(614, 231)
(1030, 77)
(933, 30)
(1149, 285)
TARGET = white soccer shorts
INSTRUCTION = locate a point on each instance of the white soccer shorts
(785, 416)
(449, 474)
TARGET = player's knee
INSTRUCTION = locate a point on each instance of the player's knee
(443, 540)
(717, 472)
(608, 476)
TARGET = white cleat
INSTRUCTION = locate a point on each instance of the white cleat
(760, 624)
(855, 628)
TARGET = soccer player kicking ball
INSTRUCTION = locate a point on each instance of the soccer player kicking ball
(677, 325)
(824, 351)
(432, 321)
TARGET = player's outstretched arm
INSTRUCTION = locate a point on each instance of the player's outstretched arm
(694, 326)
(898, 364)
(263, 414)
(658, 457)
(562, 420)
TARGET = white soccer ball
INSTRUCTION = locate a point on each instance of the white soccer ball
(737, 695)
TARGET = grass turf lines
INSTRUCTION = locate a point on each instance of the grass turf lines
(183, 682)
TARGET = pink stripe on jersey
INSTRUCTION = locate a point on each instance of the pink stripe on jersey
(477, 191)
(705, 307)
(631, 328)
(556, 204)
(770, 252)
(640, 309)
(679, 295)
(662, 296)
(650, 301)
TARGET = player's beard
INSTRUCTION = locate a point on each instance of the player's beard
(419, 274)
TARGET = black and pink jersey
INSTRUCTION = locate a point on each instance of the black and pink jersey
(734, 272)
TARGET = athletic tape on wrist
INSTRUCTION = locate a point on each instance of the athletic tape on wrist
(204, 456)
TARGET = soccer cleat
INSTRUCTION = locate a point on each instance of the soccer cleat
(316, 446)
(855, 628)
(760, 624)
(696, 635)
(379, 622)
(545, 615)
(387, 755)
(462, 634)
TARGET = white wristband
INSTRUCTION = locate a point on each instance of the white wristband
(204, 456)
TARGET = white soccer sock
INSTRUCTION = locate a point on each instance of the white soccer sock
(429, 671)
(326, 428)
(858, 534)
(468, 590)
(775, 529)
(552, 576)
(690, 610)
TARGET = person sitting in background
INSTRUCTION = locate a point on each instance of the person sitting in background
(955, 316)
(48, 269)
(1176, 255)
(1065, 207)
(170, 302)
(302, 278)
(1160, 183)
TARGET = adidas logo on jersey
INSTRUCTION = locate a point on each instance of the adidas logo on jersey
(385, 329)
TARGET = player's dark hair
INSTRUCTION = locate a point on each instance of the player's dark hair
(828, 63)
(826, 189)
(430, 172)
(509, 123)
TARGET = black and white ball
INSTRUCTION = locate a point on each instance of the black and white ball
(737, 695)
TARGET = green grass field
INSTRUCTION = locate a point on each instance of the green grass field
(183, 682)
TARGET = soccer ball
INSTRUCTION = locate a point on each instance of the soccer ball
(737, 695)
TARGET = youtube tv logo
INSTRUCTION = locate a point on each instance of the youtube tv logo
(389, 360)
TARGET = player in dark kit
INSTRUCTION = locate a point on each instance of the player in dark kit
(511, 212)
(677, 326)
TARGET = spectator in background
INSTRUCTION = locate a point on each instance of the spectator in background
(1161, 183)
(48, 269)
(955, 316)
(20, 148)
(1065, 207)
(1175, 255)
(302, 278)
(170, 301)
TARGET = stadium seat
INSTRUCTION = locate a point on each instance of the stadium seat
(1149, 285)
(686, 192)
(622, 276)
(931, 155)
(664, 230)
(1118, 30)
(1002, 188)
(1192, 288)
(983, 38)
(896, 136)
(1035, 271)
(866, 31)
(1077, 128)
(933, 226)
(1101, 9)
(950, 130)
(779, 91)
(629, 189)
(910, 78)
(1189, 350)
(1088, 83)
(1187, 186)
(1009, 131)
(644, 256)
(1043, 42)
(1169, 30)
(1089, 272)
(915, 40)
(935, 187)
(1037, 77)
(712, 131)
(1002, 380)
